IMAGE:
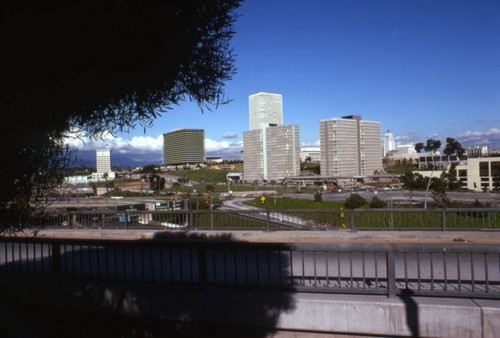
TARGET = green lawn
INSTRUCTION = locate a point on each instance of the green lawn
(202, 175)
(380, 219)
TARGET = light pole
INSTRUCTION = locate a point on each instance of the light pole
(390, 207)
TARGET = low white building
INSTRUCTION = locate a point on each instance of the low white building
(313, 153)
(78, 179)
(101, 176)
(480, 174)
(406, 149)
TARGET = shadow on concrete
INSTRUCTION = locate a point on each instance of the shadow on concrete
(177, 285)
(411, 312)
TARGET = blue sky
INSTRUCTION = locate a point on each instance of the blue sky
(421, 68)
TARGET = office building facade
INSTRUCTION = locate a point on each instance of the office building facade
(271, 153)
(350, 146)
(103, 161)
(103, 165)
(265, 109)
(480, 173)
(184, 146)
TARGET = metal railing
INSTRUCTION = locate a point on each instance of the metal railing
(453, 270)
(357, 219)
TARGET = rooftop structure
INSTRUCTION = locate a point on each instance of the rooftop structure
(265, 109)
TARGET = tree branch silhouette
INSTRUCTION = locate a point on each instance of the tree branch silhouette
(101, 67)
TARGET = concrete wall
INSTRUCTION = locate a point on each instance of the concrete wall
(309, 312)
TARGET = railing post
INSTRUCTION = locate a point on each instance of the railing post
(268, 220)
(103, 220)
(443, 219)
(126, 219)
(202, 267)
(352, 220)
(391, 274)
(56, 262)
(191, 219)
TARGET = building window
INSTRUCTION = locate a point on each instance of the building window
(462, 172)
(495, 168)
(484, 169)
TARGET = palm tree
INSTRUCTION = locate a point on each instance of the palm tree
(431, 146)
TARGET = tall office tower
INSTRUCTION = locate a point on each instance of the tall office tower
(184, 146)
(389, 143)
(349, 146)
(265, 109)
(271, 153)
(103, 161)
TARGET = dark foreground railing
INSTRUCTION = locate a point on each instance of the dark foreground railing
(455, 270)
(358, 219)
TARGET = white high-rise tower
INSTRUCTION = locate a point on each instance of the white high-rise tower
(389, 143)
(103, 161)
(103, 165)
(266, 109)
(271, 150)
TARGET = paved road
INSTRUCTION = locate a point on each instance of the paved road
(303, 267)
(399, 196)
(285, 220)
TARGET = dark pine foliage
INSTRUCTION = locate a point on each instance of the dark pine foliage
(100, 66)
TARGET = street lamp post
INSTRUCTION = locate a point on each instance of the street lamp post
(391, 224)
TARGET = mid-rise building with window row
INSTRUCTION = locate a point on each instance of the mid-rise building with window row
(271, 153)
(184, 146)
(350, 146)
(480, 173)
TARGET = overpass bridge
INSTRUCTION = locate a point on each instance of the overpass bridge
(277, 283)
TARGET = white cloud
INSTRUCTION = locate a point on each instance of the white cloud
(490, 136)
(229, 135)
(226, 149)
(118, 144)
(406, 138)
(145, 146)
(433, 136)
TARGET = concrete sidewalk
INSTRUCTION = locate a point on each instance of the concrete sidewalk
(431, 237)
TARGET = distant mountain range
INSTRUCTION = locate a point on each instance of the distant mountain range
(87, 158)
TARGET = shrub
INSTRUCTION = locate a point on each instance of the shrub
(377, 203)
(318, 197)
(354, 201)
